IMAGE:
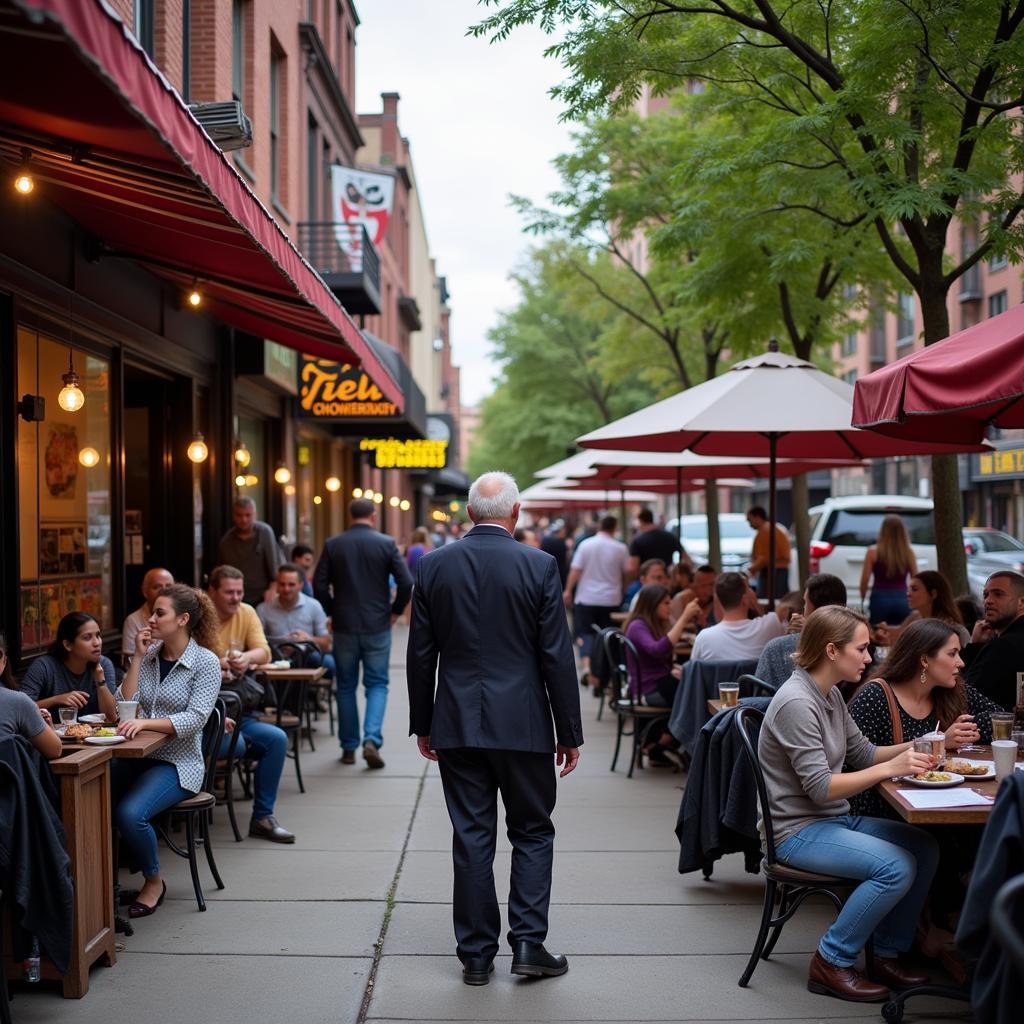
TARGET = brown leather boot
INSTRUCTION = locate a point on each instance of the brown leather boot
(888, 972)
(842, 982)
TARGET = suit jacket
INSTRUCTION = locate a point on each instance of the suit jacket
(490, 612)
(351, 580)
(992, 667)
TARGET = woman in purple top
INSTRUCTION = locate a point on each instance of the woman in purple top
(654, 634)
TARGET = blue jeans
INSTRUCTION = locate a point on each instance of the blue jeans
(373, 650)
(888, 606)
(315, 660)
(141, 790)
(268, 747)
(896, 862)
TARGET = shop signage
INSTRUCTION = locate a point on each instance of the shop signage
(279, 364)
(390, 453)
(361, 199)
(329, 390)
(1009, 462)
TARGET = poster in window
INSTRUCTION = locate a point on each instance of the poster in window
(49, 551)
(90, 597)
(72, 549)
(69, 597)
(132, 520)
(51, 610)
(61, 461)
(31, 626)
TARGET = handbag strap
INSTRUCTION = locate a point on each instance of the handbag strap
(894, 712)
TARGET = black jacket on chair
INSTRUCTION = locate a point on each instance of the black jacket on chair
(992, 667)
(488, 613)
(35, 870)
(351, 580)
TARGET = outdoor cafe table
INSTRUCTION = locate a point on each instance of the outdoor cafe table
(973, 815)
(714, 706)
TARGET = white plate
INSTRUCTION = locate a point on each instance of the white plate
(106, 741)
(989, 765)
(93, 719)
(954, 780)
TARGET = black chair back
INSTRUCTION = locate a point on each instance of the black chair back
(758, 687)
(213, 735)
(745, 715)
(298, 652)
(620, 649)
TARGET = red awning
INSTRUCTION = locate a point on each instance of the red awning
(113, 144)
(952, 390)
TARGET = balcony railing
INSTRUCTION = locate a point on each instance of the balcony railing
(347, 260)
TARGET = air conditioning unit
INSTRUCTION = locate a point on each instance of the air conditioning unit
(225, 123)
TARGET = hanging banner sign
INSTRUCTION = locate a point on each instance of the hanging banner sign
(361, 199)
(329, 390)
(391, 453)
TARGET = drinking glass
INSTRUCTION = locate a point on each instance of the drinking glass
(1018, 737)
(68, 716)
(729, 694)
(1003, 754)
(1002, 725)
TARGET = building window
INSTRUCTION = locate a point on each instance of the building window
(145, 24)
(997, 303)
(238, 50)
(849, 345)
(312, 168)
(905, 320)
(850, 377)
(275, 125)
(996, 263)
(64, 487)
(877, 332)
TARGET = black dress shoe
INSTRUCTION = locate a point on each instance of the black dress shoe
(268, 828)
(477, 970)
(141, 910)
(534, 961)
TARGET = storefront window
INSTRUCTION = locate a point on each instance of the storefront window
(252, 433)
(64, 481)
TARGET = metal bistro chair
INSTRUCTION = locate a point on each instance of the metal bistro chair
(626, 705)
(757, 687)
(601, 640)
(286, 711)
(790, 886)
(226, 766)
(195, 810)
(299, 653)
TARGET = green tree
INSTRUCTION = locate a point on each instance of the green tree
(918, 102)
(552, 386)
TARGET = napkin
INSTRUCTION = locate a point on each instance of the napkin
(929, 799)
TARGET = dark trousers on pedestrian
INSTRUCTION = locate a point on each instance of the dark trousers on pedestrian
(472, 779)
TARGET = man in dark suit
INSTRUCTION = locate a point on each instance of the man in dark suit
(353, 583)
(996, 652)
(491, 611)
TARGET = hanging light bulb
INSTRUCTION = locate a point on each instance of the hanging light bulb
(89, 457)
(378, 498)
(394, 501)
(194, 296)
(242, 455)
(240, 480)
(317, 500)
(290, 490)
(405, 506)
(357, 492)
(282, 474)
(71, 397)
(24, 182)
(332, 483)
(198, 450)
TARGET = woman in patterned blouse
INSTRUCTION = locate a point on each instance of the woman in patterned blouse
(175, 677)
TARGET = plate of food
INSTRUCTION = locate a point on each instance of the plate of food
(78, 732)
(934, 780)
(976, 771)
(93, 719)
(104, 737)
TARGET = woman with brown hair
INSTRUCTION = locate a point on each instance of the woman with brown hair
(929, 596)
(654, 635)
(175, 677)
(887, 566)
(806, 738)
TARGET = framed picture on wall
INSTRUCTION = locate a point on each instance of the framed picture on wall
(49, 551)
(31, 622)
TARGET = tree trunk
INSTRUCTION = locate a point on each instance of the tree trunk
(949, 538)
(714, 537)
(801, 527)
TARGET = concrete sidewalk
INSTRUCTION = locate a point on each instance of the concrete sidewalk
(353, 923)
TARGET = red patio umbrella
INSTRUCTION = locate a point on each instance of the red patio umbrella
(952, 390)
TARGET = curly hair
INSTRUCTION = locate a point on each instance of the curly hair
(202, 626)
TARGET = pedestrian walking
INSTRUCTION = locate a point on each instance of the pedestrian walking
(888, 566)
(352, 583)
(251, 547)
(490, 611)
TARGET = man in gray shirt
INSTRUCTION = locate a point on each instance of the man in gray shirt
(291, 615)
(251, 547)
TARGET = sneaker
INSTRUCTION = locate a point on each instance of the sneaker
(371, 755)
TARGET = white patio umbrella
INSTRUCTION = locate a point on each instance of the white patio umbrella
(558, 493)
(774, 406)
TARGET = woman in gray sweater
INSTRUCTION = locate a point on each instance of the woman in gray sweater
(806, 737)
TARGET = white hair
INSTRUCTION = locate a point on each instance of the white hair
(493, 496)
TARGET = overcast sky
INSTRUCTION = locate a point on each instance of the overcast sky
(481, 125)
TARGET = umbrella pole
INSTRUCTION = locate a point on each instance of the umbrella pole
(622, 499)
(773, 440)
(679, 502)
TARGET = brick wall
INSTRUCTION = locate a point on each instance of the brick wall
(126, 9)
(169, 40)
(211, 50)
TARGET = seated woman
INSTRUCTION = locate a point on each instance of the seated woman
(19, 715)
(651, 630)
(175, 677)
(74, 672)
(930, 597)
(806, 737)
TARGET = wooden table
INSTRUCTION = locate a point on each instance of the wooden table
(141, 745)
(941, 815)
(714, 706)
(310, 675)
(84, 779)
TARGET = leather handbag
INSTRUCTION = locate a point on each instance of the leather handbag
(894, 712)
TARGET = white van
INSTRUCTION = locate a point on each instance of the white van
(737, 539)
(842, 530)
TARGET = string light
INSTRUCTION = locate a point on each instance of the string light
(332, 483)
(242, 455)
(198, 451)
(290, 490)
(251, 479)
(24, 183)
(282, 474)
(71, 397)
(317, 500)
(405, 505)
(239, 480)
(195, 297)
(378, 498)
(357, 492)
(88, 457)
(394, 501)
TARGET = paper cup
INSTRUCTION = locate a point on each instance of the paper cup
(127, 710)
(1004, 753)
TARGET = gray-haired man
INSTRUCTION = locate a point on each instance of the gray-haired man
(251, 547)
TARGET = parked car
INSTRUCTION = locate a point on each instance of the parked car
(735, 533)
(988, 551)
(842, 530)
